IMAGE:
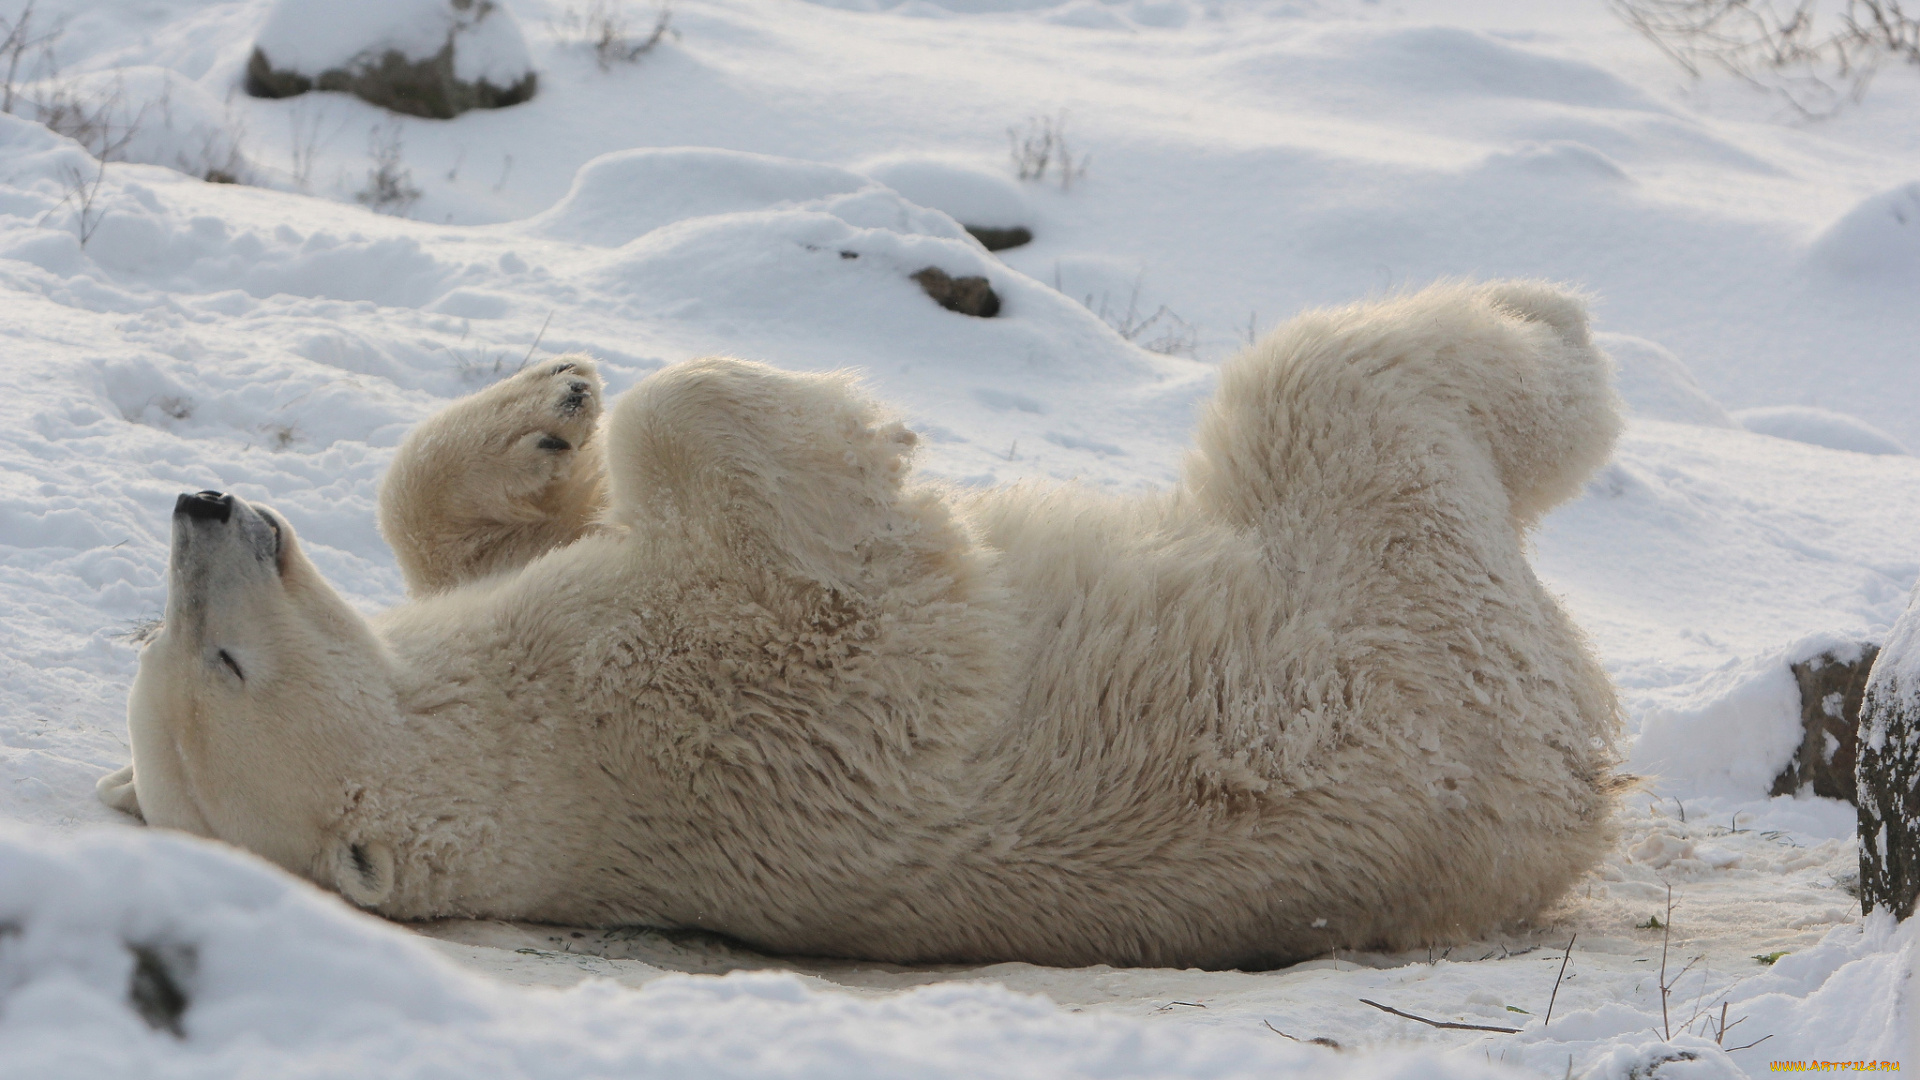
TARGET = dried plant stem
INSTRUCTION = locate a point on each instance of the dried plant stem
(1666, 934)
(1441, 1023)
(1551, 998)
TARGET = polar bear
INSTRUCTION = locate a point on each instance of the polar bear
(721, 662)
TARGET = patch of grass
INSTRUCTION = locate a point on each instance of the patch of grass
(1161, 332)
(1042, 149)
(605, 28)
(1817, 60)
(142, 630)
(390, 188)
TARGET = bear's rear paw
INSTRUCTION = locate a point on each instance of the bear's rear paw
(497, 478)
(536, 422)
(561, 400)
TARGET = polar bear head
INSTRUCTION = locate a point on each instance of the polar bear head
(254, 698)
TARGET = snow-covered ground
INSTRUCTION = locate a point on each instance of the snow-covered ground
(762, 183)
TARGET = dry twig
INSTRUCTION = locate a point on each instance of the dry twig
(1441, 1023)
(1788, 47)
(1551, 998)
(1666, 934)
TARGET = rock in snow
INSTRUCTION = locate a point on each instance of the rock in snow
(1888, 773)
(971, 295)
(1831, 687)
(433, 58)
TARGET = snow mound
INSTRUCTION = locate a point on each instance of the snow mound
(1880, 237)
(1657, 385)
(845, 262)
(312, 36)
(1557, 160)
(31, 161)
(1730, 734)
(964, 191)
(132, 953)
(1896, 673)
(152, 116)
(1848, 991)
(620, 196)
(434, 58)
(1820, 427)
(1436, 65)
(1087, 15)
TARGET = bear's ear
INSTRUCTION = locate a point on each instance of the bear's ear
(362, 871)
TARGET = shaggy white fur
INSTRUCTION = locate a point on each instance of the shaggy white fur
(722, 664)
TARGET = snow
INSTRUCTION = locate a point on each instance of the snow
(285, 982)
(1656, 384)
(1877, 240)
(622, 196)
(162, 118)
(970, 192)
(1820, 427)
(763, 184)
(1898, 681)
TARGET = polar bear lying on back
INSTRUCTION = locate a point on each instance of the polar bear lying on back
(721, 663)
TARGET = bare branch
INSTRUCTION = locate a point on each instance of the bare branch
(1782, 46)
(1555, 996)
(1440, 1023)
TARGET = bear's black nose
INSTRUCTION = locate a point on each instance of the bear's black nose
(205, 505)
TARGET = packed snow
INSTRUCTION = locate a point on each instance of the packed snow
(761, 182)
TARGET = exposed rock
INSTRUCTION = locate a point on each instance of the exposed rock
(1000, 239)
(966, 295)
(1831, 689)
(431, 58)
(155, 990)
(1887, 774)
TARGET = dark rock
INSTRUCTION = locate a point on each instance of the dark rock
(266, 81)
(1831, 690)
(1000, 239)
(156, 990)
(966, 295)
(416, 87)
(1887, 777)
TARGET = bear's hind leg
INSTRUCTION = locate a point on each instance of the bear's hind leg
(498, 478)
(1342, 411)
